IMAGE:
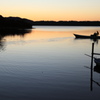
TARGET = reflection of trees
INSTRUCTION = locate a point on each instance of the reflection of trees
(2, 44)
(11, 32)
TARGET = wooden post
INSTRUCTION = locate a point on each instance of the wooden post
(92, 66)
(92, 55)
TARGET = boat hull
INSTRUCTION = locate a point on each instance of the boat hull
(97, 61)
(87, 37)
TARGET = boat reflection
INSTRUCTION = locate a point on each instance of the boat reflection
(94, 40)
(95, 69)
(11, 32)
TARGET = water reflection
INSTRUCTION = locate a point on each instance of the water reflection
(11, 32)
(92, 80)
(94, 40)
(97, 68)
(93, 69)
(51, 68)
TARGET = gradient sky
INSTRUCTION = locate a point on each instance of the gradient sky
(80, 10)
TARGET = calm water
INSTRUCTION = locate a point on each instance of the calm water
(48, 64)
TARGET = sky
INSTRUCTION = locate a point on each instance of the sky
(52, 10)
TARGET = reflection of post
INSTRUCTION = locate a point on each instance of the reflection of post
(92, 67)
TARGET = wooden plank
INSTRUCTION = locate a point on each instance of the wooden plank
(96, 53)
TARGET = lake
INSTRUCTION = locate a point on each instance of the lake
(48, 64)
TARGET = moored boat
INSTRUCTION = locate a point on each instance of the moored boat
(97, 61)
(88, 37)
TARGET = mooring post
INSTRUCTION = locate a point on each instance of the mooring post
(92, 66)
(92, 55)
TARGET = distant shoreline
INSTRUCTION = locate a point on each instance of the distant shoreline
(67, 23)
(27, 23)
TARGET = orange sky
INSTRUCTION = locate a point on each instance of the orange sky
(52, 9)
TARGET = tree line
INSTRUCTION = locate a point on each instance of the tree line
(67, 23)
(27, 23)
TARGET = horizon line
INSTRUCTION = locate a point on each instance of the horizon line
(49, 20)
(68, 20)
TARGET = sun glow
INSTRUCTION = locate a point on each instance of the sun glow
(52, 9)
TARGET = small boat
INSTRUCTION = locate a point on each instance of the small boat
(87, 37)
(97, 61)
